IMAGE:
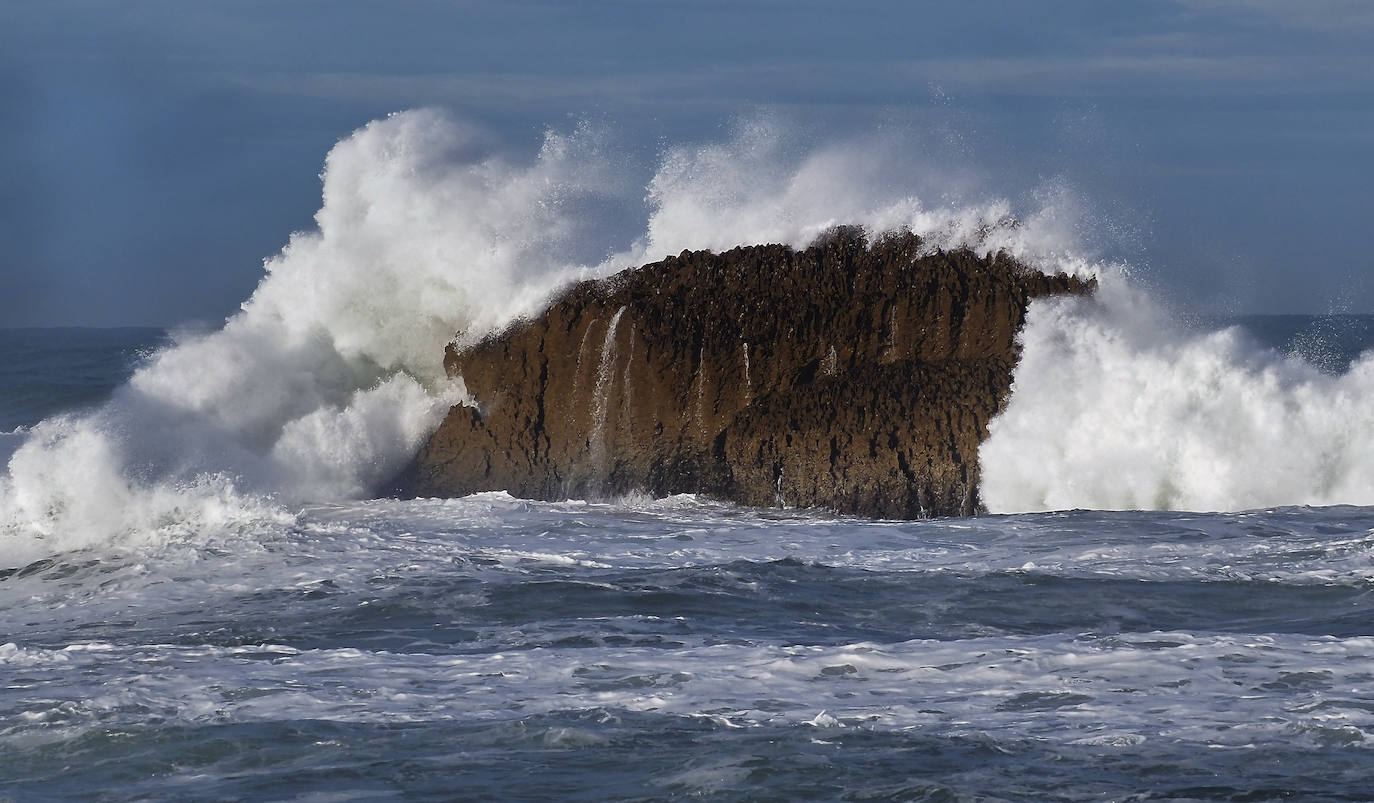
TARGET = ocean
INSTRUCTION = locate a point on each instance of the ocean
(201, 597)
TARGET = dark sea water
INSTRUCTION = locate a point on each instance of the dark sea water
(47, 371)
(490, 648)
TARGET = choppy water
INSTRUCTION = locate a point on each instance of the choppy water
(492, 648)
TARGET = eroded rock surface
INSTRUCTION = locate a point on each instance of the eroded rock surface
(854, 376)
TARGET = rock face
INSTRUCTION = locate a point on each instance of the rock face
(850, 376)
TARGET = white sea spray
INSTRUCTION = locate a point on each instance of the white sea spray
(330, 376)
(1117, 406)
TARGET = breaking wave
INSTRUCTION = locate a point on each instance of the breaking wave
(326, 381)
(1116, 405)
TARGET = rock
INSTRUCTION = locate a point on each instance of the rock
(853, 377)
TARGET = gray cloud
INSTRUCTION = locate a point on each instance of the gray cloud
(1329, 16)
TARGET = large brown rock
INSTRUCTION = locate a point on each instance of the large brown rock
(848, 376)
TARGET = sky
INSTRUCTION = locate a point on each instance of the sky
(153, 153)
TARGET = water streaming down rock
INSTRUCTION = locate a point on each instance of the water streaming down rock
(605, 371)
(869, 378)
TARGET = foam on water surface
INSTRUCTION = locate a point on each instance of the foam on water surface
(683, 630)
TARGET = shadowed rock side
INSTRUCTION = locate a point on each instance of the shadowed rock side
(844, 376)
